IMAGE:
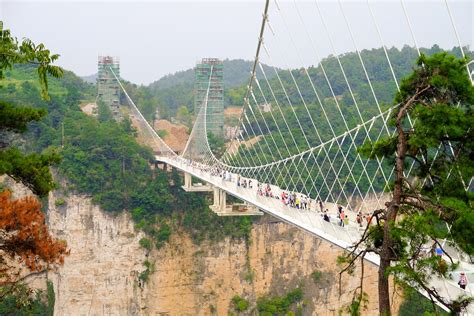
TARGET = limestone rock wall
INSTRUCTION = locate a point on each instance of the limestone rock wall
(201, 280)
(100, 276)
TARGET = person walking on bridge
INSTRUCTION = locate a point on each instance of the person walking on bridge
(359, 219)
(341, 217)
(462, 281)
(321, 206)
(326, 217)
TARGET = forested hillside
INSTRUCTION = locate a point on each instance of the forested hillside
(90, 79)
(331, 111)
(102, 159)
(349, 104)
(175, 91)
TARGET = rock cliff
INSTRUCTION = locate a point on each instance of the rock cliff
(100, 276)
(201, 280)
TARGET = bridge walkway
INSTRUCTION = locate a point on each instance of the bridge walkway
(310, 220)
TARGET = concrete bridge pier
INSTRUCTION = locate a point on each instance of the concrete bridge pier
(220, 200)
(197, 187)
(221, 208)
(163, 166)
(160, 165)
(188, 180)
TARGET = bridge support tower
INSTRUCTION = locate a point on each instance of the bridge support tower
(221, 208)
(197, 187)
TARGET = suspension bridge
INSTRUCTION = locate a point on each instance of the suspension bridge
(306, 146)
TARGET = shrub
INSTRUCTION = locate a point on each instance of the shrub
(149, 269)
(249, 276)
(144, 275)
(316, 276)
(416, 304)
(162, 235)
(20, 300)
(279, 304)
(240, 304)
(145, 243)
(162, 133)
(59, 202)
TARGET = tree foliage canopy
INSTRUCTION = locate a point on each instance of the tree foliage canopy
(101, 158)
(32, 170)
(19, 300)
(433, 118)
(12, 52)
(25, 236)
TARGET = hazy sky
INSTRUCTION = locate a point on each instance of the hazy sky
(154, 38)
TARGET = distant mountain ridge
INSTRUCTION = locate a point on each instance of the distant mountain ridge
(236, 73)
(176, 90)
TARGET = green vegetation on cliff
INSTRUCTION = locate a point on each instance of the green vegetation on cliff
(289, 304)
(26, 246)
(22, 301)
(281, 305)
(101, 158)
(240, 304)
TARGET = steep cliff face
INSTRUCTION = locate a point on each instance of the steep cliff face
(201, 280)
(100, 276)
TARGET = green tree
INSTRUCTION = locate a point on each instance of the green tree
(183, 116)
(279, 305)
(216, 144)
(18, 300)
(104, 113)
(240, 304)
(145, 243)
(415, 304)
(32, 169)
(438, 97)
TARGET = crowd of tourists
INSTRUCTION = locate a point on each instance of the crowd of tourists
(298, 201)
(291, 199)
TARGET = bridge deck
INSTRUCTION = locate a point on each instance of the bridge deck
(310, 220)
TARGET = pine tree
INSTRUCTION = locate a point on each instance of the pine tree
(438, 98)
